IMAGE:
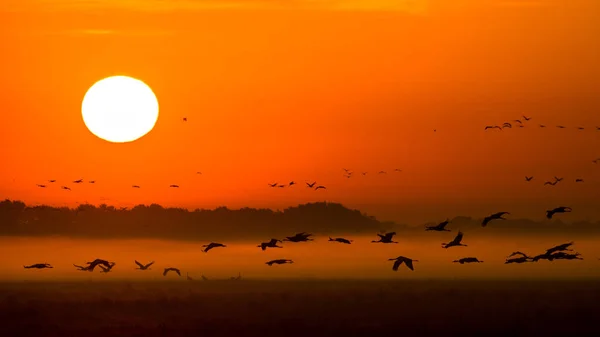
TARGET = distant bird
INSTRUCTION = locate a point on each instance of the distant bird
(38, 266)
(340, 240)
(273, 185)
(561, 209)
(381, 172)
(521, 259)
(42, 186)
(167, 270)
(516, 253)
(598, 128)
(174, 186)
(495, 216)
(456, 242)
(528, 178)
(526, 118)
(558, 179)
(559, 248)
(92, 181)
(542, 126)
(320, 187)
(292, 183)
(578, 180)
(97, 262)
(517, 121)
(198, 172)
(78, 181)
(521, 126)
(467, 260)
(135, 186)
(299, 237)
(279, 261)
(82, 268)
(507, 125)
(596, 161)
(402, 259)
(281, 186)
(385, 238)
(551, 183)
(311, 185)
(364, 173)
(65, 188)
(106, 269)
(185, 119)
(347, 171)
(187, 276)
(397, 170)
(52, 181)
(441, 227)
(211, 246)
(580, 128)
(493, 127)
(143, 267)
(271, 244)
(560, 126)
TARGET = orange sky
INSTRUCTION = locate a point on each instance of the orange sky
(280, 91)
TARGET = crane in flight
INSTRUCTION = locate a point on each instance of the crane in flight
(467, 260)
(167, 270)
(403, 259)
(278, 261)
(441, 227)
(385, 238)
(143, 266)
(271, 244)
(550, 213)
(495, 216)
(340, 240)
(211, 246)
(38, 266)
(456, 242)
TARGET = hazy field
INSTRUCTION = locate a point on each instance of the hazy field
(301, 308)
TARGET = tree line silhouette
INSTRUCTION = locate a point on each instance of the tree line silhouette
(222, 223)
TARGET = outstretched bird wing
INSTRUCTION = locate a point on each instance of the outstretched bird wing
(149, 264)
(409, 264)
(396, 265)
(139, 264)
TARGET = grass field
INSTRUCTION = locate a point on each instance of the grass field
(301, 308)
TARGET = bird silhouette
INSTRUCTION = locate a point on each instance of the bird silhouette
(42, 186)
(542, 126)
(185, 119)
(528, 178)
(106, 269)
(340, 240)
(97, 262)
(273, 185)
(402, 259)
(278, 261)
(526, 118)
(518, 121)
(38, 266)
(211, 246)
(580, 128)
(381, 172)
(135, 186)
(65, 188)
(507, 125)
(495, 216)
(292, 183)
(521, 259)
(562, 209)
(167, 270)
(299, 237)
(320, 187)
(52, 181)
(187, 276)
(560, 126)
(271, 244)
(493, 127)
(467, 260)
(79, 181)
(557, 179)
(578, 180)
(82, 268)
(143, 267)
(364, 173)
(516, 253)
(551, 183)
(311, 185)
(385, 238)
(559, 248)
(441, 227)
(174, 186)
(92, 181)
(456, 242)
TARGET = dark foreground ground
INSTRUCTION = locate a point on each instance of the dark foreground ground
(301, 308)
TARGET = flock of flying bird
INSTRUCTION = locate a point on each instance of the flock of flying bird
(555, 253)
(558, 252)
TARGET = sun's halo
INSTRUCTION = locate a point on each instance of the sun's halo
(119, 109)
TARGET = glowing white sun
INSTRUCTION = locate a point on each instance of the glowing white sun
(119, 109)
